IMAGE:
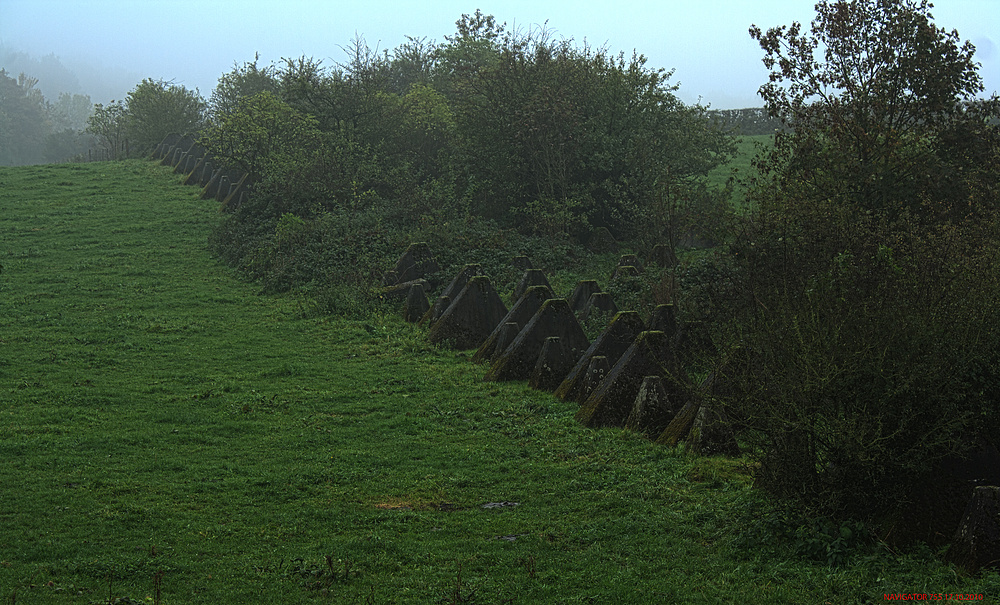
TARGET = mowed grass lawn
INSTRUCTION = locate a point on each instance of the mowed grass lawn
(168, 435)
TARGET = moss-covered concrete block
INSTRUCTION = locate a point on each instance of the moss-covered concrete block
(554, 318)
(621, 332)
(471, 317)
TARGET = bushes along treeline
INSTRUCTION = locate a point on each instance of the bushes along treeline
(491, 129)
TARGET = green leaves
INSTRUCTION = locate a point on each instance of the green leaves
(259, 132)
(156, 108)
(109, 124)
(870, 93)
(150, 111)
(863, 286)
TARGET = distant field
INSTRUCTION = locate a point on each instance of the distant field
(740, 168)
(169, 436)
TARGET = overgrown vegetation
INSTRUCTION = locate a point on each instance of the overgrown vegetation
(852, 302)
(492, 131)
(858, 300)
(153, 109)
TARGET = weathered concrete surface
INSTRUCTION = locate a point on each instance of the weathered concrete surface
(521, 313)
(621, 332)
(554, 318)
(611, 403)
(471, 317)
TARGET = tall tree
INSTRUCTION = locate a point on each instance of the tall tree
(879, 104)
(23, 120)
(863, 288)
(109, 123)
(241, 82)
(546, 124)
(156, 108)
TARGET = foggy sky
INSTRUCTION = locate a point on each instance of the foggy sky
(192, 43)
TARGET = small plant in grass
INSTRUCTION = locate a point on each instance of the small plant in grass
(322, 575)
(458, 594)
(828, 542)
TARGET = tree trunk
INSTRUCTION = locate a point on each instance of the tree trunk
(977, 541)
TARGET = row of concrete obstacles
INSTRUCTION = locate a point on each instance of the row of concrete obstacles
(228, 186)
(631, 376)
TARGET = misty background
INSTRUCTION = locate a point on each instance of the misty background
(76, 53)
(104, 47)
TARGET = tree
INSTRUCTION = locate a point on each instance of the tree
(109, 123)
(243, 81)
(879, 103)
(860, 344)
(156, 108)
(551, 127)
(413, 62)
(259, 130)
(23, 120)
(70, 112)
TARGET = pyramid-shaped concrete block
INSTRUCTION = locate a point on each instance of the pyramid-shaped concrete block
(652, 410)
(663, 256)
(683, 420)
(663, 319)
(600, 303)
(521, 313)
(390, 278)
(222, 187)
(521, 262)
(202, 173)
(631, 260)
(621, 332)
(531, 277)
(581, 294)
(416, 262)
(173, 151)
(168, 142)
(625, 271)
(433, 314)
(416, 303)
(681, 424)
(554, 362)
(554, 318)
(711, 433)
(461, 278)
(181, 163)
(176, 156)
(598, 368)
(508, 331)
(471, 317)
(211, 189)
(237, 187)
(612, 401)
(449, 293)
(400, 291)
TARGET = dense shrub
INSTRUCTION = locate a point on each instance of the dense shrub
(861, 297)
(855, 374)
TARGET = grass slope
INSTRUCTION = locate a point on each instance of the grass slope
(166, 435)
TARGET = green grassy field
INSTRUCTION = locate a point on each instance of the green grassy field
(169, 436)
(739, 167)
